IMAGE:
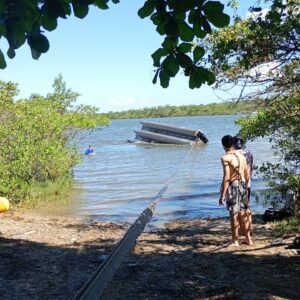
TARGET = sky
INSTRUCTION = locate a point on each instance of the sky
(106, 58)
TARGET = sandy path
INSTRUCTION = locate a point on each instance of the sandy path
(51, 258)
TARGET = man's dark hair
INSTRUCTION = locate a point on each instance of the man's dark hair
(227, 141)
(238, 142)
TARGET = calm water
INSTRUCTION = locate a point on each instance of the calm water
(119, 181)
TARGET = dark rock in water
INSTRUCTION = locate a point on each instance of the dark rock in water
(271, 214)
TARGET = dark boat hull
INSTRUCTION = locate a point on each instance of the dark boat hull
(152, 132)
(152, 137)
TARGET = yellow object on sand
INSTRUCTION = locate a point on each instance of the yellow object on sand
(4, 204)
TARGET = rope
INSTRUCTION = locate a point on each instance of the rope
(165, 187)
(95, 286)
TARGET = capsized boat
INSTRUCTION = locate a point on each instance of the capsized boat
(153, 132)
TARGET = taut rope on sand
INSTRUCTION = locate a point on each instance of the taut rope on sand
(95, 286)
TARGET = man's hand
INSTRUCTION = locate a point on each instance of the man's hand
(221, 200)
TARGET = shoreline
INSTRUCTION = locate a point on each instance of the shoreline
(51, 257)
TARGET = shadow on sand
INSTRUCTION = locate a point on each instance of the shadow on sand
(187, 260)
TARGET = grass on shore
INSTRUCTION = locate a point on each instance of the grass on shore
(46, 192)
(288, 226)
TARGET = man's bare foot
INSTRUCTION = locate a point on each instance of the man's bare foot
(233, 244)
(249, 242)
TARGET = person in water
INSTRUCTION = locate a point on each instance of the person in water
(200, 138)
(233, 189)
(239, 145)
(89, 150)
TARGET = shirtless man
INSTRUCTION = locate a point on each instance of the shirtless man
(240, 146)
(233, 189)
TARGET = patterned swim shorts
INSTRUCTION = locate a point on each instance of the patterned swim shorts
(236, 197)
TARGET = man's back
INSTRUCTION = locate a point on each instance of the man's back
(237, 165)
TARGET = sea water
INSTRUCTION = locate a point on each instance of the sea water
(119, 181)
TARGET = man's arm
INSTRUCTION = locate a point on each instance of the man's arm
(226, 180)
(246, 171)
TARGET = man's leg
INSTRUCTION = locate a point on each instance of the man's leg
(249, 214)
(244, 220)
(234, 221)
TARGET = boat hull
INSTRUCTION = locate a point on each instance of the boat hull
(152, 137)
(153, 132)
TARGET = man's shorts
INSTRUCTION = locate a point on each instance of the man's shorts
(236, 197)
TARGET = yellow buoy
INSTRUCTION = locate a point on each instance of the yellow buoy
(4, 204)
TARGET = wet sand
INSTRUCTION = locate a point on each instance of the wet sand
(46, 257)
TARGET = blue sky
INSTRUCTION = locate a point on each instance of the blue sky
(105, 57)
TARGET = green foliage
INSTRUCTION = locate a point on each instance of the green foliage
(280, 121)
(288, 226)
(36, 136)
(42, 193)
(263, 52)
(225, 108)
(182, 22)
(177, 20)
(237, 51)
(26, 20)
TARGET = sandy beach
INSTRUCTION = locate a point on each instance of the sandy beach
(47, 257)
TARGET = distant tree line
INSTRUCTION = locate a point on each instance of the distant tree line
(224, 108)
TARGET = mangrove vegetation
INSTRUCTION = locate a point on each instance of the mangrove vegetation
(36, 138)
(261, 55)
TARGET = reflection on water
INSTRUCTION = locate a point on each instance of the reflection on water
(119, 181)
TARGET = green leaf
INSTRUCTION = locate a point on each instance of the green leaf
(80, 8)
(102, 4)
(15, 34)
(63, 9)
(199, 75)
(195, 79)
(206, 26)
(208, 76)
(164, 78)
(2, 61)
(213, 7)
(168, 44)
(115, 1)
(11, 52)
(155, 76)
(2, 6)
(198, 53)
(157, 55)
(170, 65)
(182, 5)
(186, 33)
(197, 26)
(214, 13)
(56, 8)
(183, 60)
(48, 22)
(159, 18)
(35, 54)
(184, 47)
(220, 20)
(193, 15)
(147, 9)
(161, 29)
(171, 27)
(180, 16)
(39, 43)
